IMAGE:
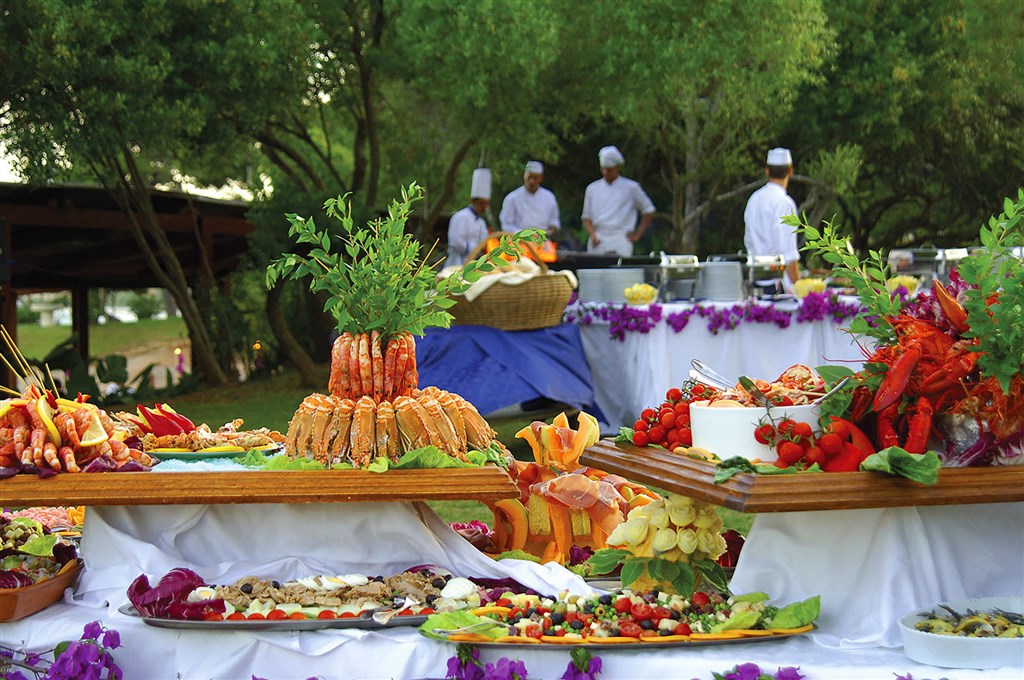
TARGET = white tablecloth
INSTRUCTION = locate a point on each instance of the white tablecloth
(229, 541)
(635, 373)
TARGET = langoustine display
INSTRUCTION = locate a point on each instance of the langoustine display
(375, 408)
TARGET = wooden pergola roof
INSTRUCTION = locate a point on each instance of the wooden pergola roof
(75, 237)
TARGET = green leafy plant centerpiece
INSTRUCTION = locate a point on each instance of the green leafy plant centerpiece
(375, 276)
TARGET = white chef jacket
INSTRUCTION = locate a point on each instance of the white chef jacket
(524, 210)
(466, 230)
(613, 210)
(765, 232)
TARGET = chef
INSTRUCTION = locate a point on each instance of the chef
(530, 206)
(610, 208)
(766, 233)
(467, 228)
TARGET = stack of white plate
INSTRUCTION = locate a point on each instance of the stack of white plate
(591, 288)
(721, 281)
(606, 285)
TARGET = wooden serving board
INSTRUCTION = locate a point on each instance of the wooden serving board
(748, 492)
(305, 486)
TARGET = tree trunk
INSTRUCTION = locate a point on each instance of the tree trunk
(291, 350)
(132, 195)
(447, 189)
(693, 156)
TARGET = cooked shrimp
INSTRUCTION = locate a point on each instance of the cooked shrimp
(401, 362)
(36, 441)
(412, 376)
(354, 380)
(67, 455)
(50, 456)
(339, 382)
(377, 365)
(365, 365)
(390, 354)
(65, 423)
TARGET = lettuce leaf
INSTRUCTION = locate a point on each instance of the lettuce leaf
(431, 457)
(922, 468)
(40, 546)
(755, 597)
(458, 619)
(797, 614)
(738, 621)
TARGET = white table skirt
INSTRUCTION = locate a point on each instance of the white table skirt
(634, 374)
(229, 541)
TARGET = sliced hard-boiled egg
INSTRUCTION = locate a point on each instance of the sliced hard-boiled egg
(202, 593)
(458, 588)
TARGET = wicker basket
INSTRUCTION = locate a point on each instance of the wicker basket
(537, 303)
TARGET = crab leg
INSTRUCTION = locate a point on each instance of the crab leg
(377, 366)
(339, 381)
(356, 389)
(390, 355)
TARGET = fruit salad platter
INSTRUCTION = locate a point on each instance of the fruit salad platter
(625, 618)
(182, 599)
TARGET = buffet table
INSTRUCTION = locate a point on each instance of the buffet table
(493, 369)
(634, 373)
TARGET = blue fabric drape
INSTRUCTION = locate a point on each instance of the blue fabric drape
(493, 368)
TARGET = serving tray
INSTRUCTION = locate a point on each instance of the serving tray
(364, 620)
(749, 492)
(293, 486)
(743, 639)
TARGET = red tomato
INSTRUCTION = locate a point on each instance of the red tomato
(213, 616)
(672, 437)
(658, 613)
(641, 439)
(686, 436)
(779, 463)
(640, 611)
(682, 408)
(683, 419)
(681, 629)
(698, 390)
(786, 426)
(298, 616)
(781, 400)
(276, 615)
(236, 616)
(656, 435)
(840, 429)
(327, 614)
(699, 599)
(765, 434)
(640, 426)
(831, 443)
(629, 629)
(648, 414)
(674, 395)
(504, 602)
(802, 430)
(546, 623)
(622, 606)
(343, 615)
(255, 616)
(427, 610)
(533, 631)
(668, 419)
(560, 632)
(815, 454)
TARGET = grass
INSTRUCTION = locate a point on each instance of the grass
(112, 338)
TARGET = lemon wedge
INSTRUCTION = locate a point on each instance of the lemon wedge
(95, 434)
(223, 448)
(171, 450)
(70, 406)
(46, 413)
(7, 404)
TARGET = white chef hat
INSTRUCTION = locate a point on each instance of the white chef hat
(481, 187)
(534, 167)
(610, 157)
(780, 156)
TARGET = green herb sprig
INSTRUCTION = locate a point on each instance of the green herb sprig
(374, 276)
(999, 276)
(867, 276)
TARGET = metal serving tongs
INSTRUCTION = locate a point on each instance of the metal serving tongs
(483, 625)
(705, 374)
(385, 615)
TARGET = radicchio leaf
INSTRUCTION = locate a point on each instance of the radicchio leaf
(14, 579)
(168, 598)
(102, 464)
(1009, 451)
(132, 465)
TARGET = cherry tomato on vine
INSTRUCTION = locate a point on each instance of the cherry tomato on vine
(765, 434)
(640, 439)
(668, 419)
(640, 426)
(674, 395)
(682, 408)
(648, 414)
(802, 430)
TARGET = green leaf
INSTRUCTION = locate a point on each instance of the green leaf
(685, 582)
(922, 468)
(712, 573)
(605, 560)
(797, 614)
(625, 436)
(632, 570)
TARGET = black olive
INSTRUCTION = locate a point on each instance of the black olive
(246, 588)
(275, 584)
(516, 618)
(530, 612)
(378, 579)
(605, 599)
(674, 615)
(557, 618)
(647, 624)
(438, 582)
(576, 624)
(664, 632)
(431, 598)
(586, 607)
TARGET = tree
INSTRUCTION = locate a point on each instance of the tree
(925, 93)
(708, 84)
(100, 90)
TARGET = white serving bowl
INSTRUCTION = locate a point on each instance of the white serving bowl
(729, 432)
(950, 651)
